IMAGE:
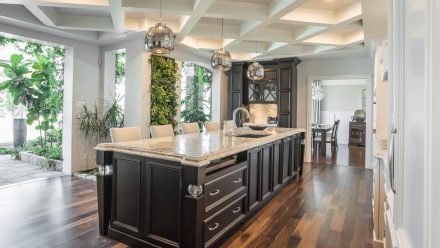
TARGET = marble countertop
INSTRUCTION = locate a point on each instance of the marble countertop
(198, 149)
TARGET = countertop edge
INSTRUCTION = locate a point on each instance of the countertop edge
(199, 161)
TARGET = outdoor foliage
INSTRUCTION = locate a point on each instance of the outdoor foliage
(96, 125)
(197, 96)
(37, 84)
(33, 84)
(164, 74)
(120, 68)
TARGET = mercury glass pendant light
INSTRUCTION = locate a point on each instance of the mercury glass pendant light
(255, 70)
(160, 38)
(221, 59)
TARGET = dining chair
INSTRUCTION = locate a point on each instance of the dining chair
(211, 126)
(125, 134)
(192, 127)
(157, 131)
(331, 138)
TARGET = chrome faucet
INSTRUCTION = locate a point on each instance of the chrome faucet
(248, 115)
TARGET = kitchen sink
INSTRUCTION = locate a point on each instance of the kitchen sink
(252, 135)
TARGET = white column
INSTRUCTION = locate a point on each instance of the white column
(109, 75)
(137, 87)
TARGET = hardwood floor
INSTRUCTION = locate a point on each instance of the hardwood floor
(329, 207)
(345, 155)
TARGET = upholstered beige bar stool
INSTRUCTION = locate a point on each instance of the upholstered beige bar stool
(125, 134)
(158, 131)
(192, 127)
(211, 126)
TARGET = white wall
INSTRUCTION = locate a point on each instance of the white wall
(340, 103)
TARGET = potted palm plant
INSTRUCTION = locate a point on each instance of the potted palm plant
(19, 87)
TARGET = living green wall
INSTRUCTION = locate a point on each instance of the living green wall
(164, 74)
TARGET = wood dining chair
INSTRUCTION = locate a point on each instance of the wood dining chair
(192, 127)
(157, 131)
(125, 134)
(331, 138)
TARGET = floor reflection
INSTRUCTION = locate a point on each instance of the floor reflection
(345, 155)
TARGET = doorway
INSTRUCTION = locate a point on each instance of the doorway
(333, 134)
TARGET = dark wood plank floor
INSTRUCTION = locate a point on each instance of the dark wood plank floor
(329, 207)
(345, 155)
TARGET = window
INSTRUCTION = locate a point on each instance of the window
(196, 95)
(120, 78)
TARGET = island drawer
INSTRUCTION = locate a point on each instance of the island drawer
(218, 224)
(224, 184)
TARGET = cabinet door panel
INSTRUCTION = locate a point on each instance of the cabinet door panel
(254, 180)
(163, 201)
(284, 120)
(285, 79)
(276, 165)
(265, 171)
(126, 194)
(285, 159)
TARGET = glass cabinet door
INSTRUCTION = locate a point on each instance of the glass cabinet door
(262, 92)
(270, 93)
(255, 92)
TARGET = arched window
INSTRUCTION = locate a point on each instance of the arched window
(196, 95)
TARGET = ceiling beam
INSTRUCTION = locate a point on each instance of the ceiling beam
(117, 15)
(46, 15)
(189, 22)
(274, 11)
(168, 7)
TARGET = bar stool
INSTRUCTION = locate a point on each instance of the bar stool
(157, 131)
(192, 127)
(125, 134)
(211, 126)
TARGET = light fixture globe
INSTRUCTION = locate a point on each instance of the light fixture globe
(255, 71)
(221, 60)
(159, 39)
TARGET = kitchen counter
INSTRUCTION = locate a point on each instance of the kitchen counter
(192, 190)
(198, 149)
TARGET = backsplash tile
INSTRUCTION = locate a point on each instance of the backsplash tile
(260, 112)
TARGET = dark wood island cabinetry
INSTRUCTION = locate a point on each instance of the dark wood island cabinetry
(151, 205)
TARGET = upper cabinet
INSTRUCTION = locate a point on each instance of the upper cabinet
(278, 86)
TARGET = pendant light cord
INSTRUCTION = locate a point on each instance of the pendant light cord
(160, 6)
(256, 50)
(222, 32)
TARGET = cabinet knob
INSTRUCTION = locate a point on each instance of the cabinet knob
(237, 180)
(215, 192)
(213, 226)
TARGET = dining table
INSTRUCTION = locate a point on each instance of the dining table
(321, 129)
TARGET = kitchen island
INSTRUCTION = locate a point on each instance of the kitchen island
(192, 190)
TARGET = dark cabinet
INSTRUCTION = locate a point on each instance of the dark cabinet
(254, 164)
(276, 166)
(285, 160)
(266, 161)
(235, 88)
(147, 196)
(279, 86)
(126, 212)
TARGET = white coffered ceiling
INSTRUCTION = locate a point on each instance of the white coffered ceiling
(283, 28)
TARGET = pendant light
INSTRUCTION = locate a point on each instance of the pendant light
(255, 70)
(221, 59)
(160, 38)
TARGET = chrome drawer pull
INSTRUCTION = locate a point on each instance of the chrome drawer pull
(237, 180)
(215, 192)
(214, 226)
(238, 209)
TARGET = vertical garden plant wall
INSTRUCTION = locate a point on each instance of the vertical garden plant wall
(164, 74)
